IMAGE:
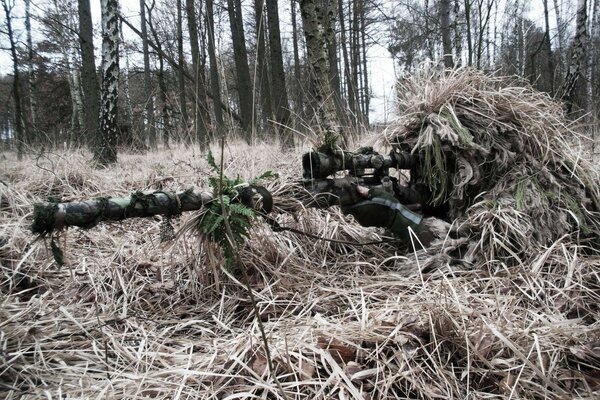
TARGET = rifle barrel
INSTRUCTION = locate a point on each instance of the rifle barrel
(48, 217)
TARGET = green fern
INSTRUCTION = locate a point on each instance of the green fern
(224, 209)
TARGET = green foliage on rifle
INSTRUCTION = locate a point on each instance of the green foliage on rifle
(225, 210)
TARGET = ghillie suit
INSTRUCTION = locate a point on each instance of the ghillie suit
(500, 159)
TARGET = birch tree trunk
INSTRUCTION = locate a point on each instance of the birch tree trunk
(318, 62)
(560, 31)
(445, 27)
(105, 150)
(567, 90)
(79, 106)
(592, 55)
(457, 33)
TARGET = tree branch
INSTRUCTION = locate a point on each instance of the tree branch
(176, 65)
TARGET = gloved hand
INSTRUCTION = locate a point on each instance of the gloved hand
(382, 209)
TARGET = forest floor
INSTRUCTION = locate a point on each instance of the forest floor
(130, 316)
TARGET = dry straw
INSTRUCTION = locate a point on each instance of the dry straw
(490, 311)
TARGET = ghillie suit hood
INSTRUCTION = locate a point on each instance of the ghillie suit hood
(502, 158)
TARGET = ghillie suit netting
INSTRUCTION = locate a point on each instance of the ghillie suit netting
(503, 160)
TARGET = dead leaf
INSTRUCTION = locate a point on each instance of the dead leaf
(259, 364)
(340, 351)
(307, 368)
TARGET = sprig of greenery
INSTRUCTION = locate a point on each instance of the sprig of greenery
(239, 216)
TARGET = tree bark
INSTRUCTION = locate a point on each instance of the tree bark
(105, 150)
(592, 54)
(132, 137)
(549, 54)
(240, 55)
(350, 87)
(560, 31)
(201, 116)
(32, 134)
(299, 106)
(78, 98)
(567, 90)
(445, 27)
(65, 40)
(469, 33)
(365, 72)
(16, 89)
(89, 79)
(149, 123)
(280, 95)
(181, 70)
(318, 61)
(458, 40)
(262, 74)
(162, 85)
(186, 74)
(214, 68)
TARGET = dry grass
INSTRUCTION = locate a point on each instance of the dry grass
(131, 317)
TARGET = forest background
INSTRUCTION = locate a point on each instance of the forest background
(158, 72)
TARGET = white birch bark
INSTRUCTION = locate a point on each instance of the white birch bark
(105, 152)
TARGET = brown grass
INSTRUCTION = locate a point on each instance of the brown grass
(131, 317)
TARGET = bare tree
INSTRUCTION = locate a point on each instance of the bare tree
(181, 68)
(214, 68)
(8, 7)
(560, 29)
(549, 55)
(105, 150)
(567, 90)
(263, 84)
(30, 75)
(149, 124)
(318, 61)
(201, 116)
(299, 98)
(445, 30)
(280, 95)
(89, 79)
(240, 55)
(592, 56)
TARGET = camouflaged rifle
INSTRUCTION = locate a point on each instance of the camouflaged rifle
(321, 186)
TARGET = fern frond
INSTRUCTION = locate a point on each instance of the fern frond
(241, 209)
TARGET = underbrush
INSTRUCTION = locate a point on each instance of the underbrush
(129, 316)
